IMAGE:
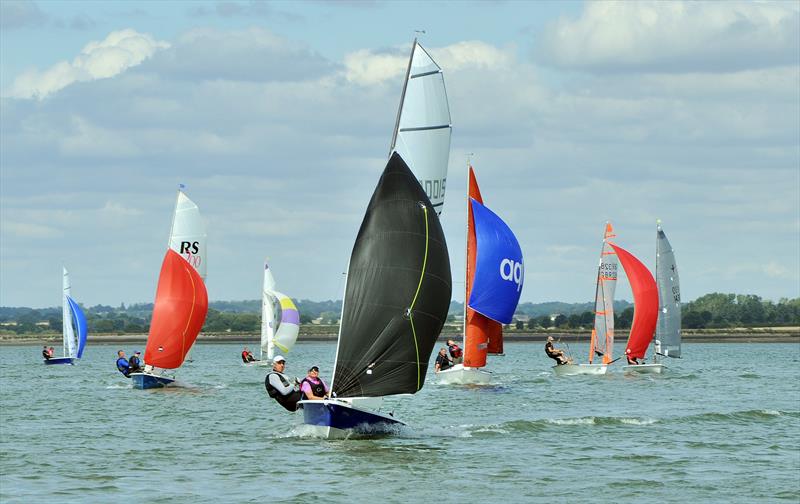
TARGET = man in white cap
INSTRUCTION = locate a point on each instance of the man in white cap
(280, 387)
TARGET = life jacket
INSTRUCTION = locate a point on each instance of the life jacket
(455, 352)
(550, 351)
(45, 354)
(288, 401)
(318, 389)
(134, 363)
(122, 366)
(244, 356)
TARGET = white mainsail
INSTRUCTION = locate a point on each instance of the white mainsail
(70, 344)
(668, 328)
(603, 332)
(280, 332)
(188, 234)
(422, 130)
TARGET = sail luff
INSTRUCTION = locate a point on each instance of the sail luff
(603, 332)
(402, 98)
(267, 315)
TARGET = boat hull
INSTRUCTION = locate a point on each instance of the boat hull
(580, 369)
(460, 375)
(145, 381)
(644, 369)
(59, 360)
(340, 419)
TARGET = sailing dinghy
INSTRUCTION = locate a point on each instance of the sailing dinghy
(395, 305)
(422, 129)
(181, 299)
(73, 327)
(602, 342)
(645, 310)
(494, 276)
(276, 330)
(667, 342)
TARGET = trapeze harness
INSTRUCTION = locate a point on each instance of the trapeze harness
(288, 401)
(548, 349)
(318, 389)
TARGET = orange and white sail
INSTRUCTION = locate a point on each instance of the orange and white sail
(602, 343)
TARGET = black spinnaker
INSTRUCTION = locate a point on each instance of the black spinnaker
(398, 291)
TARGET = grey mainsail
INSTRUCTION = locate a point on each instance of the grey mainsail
(668, 329)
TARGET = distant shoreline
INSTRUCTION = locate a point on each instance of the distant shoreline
(760, 335)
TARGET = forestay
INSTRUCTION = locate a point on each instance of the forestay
(397, 293)
(422, 130)
(668, 328)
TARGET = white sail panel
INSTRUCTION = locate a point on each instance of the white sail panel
(70, 346)
(668, 328)
(267, 314)
(288, 325)
(422, 133)
(188, 234)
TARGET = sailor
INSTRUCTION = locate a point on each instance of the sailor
(50, 352)
(554, 353)
(135, 363)
(247, 356)
(456, 354)
(632, 361)
(45, 353)
(122, 364)
(312, 386)
(280, 387)
(442, 361)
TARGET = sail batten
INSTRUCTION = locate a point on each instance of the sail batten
(397, 292)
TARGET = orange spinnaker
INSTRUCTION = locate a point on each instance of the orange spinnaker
(178, 315)
(645, 302)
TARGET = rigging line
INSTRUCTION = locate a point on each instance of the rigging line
(419, 287)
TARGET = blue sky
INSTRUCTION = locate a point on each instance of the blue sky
(278, 115)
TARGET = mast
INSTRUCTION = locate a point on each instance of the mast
(68, 335)
(341, 316)
(466, 253)
(656, 342)
(402, 98)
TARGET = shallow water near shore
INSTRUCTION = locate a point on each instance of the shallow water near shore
(723, 424)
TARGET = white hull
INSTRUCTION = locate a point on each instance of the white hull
(580, 369)
(459, 375)
(644, 369)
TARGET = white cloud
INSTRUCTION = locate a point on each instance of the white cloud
(119, 51)
(675, 36)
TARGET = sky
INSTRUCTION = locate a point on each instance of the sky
(277, 117)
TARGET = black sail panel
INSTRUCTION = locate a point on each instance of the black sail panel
(398, 291)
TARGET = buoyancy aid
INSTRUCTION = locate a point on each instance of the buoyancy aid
(123, 366)
(288, 401)
(318, 389)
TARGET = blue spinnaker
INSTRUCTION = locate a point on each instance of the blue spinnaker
(80, 325)
(499, 270)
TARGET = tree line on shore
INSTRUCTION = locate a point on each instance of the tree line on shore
(712, 311)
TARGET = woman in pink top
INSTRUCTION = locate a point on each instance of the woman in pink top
(312, 385)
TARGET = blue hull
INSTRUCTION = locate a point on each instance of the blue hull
(347, 418)
(59, 360)
(144, 381)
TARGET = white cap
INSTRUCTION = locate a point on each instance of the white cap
(278, 358)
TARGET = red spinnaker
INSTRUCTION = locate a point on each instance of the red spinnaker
(178, 315)
(482, 335)
(645, 302)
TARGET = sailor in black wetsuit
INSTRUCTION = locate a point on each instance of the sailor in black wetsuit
(442, 361)
(134, 363)
(557, 355)
(280, 387)
(45, 353)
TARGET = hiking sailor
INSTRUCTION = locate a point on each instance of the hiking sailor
(280, 387)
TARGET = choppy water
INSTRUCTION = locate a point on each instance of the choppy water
(723, 425)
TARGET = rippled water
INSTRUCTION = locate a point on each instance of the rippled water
(723, 425)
